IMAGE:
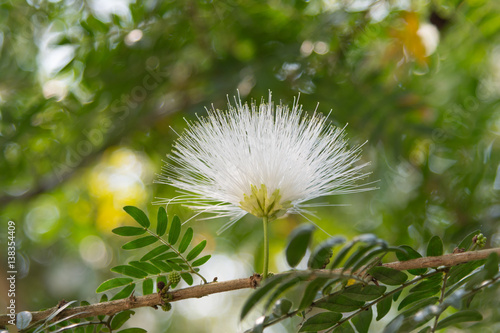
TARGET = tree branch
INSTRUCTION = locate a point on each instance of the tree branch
(112, 307)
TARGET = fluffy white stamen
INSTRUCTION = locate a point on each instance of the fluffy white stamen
(220, 160)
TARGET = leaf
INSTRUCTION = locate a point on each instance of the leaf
(411, 254)
(298, 241)
(339, 303)
(269, 284)
(188, 278)
(459, 272)
(133, 330)
(281, 307)
(186, 240)
(155, 252)
(139, 242)
(323, 252)
(344, 328)
(113, 283)
(138, 215)
(174, 266)
(435, 247)
(321, 321)
(341, 255)
(129, 271)
(147, 287)
(125, 292)
(491, 266)
(310, 292)
(161, 226)
(375, 252)
(168, 256)
(360, 292)
(120, 318)
(145, 266)
(175, 230)
(383, 307)
(282, 288)
(417, 296)
(129, 231)
(363, 320)
(431, 282)
(196, 250)
(357, 255)
(467, 241)
(23, 319)
(389, 276)
(161, 265)
(460, 317)
(201, 261)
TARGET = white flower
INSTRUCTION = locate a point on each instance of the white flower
(265, 160)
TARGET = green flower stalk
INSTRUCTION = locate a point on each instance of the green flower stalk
(265, 160)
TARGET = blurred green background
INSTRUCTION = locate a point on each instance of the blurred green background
(92, 94)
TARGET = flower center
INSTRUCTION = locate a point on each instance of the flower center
(260, 204)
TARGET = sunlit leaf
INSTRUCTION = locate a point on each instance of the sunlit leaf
(161, 227)
(113, 283)
(155, 252)
(125, 292)
(175, 230)
(129, 271)
(188, 278)
(139, 242)
(186, 240)
(196, 250)
(147, 287)
(138, 215)
(201, 261)
(145, 266)
(129, 231)
(161, 265)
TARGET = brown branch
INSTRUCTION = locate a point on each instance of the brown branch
(112, 307)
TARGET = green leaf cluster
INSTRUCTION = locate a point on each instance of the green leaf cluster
(169, 256)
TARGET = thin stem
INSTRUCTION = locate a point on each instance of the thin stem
(266, 247)
(441, 299)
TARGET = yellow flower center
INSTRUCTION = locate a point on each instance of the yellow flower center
(260, 204)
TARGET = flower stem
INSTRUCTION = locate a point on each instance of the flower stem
(266, 248)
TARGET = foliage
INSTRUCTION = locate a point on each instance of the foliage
(162, 259)
(351, 294)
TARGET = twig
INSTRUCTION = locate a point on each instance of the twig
(112, 307)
